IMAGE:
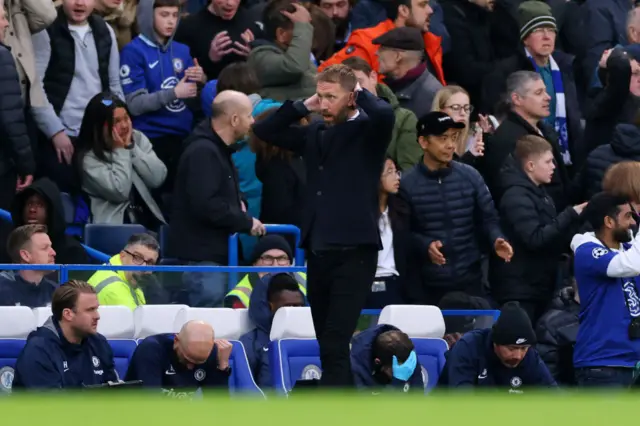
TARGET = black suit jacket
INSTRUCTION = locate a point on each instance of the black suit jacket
(343, 164)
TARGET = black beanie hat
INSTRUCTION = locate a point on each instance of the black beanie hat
(513, 327)
(270, 242)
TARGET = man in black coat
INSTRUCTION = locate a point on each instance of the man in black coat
(556, 331)
(207, 206)
(344, 155)
(529, 104)
(17, 164)
(452, 214)
(530, 222)
(538, 35)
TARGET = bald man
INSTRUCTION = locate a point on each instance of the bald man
(183, 363)
(206, 204)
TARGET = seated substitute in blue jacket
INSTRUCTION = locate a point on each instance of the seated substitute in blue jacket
(270, 294)
(499, 357)
(182, 364)
(383, 358)
(67, 351)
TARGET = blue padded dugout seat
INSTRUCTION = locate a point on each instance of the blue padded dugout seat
(122, 352)
(425, 326)
(294, 353)
(110, 239)
(116, 324)
(16, 322)
(227, 324)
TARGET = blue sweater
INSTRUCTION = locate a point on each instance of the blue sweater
(15, 291)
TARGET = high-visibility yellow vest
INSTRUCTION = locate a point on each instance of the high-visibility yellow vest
(113, 289)
(244, 288)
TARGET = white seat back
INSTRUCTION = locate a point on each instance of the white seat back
(155, 319)
(225, 321)
(292, 323)
(16, 322)
(245, 322)
(42, 315)
(417, 321)
(116, 322)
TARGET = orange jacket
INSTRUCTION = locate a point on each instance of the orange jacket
(360, 43)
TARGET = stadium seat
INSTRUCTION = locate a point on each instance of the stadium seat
(425, 326)
(16, 322)
(42, 315)
(294, 353)
(69, 208)
(122, 351)
(228, 324)
(116, 322)
(110, 239)
(155, 319)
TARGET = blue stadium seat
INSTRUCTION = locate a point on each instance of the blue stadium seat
(425, 326)
(9, 351)
(241, 379)
(110, 239)
(69, 207)
(294, 353)
(16, 322)
(122, 352)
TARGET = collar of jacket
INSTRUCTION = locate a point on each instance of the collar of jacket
(116, 261)
(5, 46)
(435, 174)
(517, 119)
(209, 133)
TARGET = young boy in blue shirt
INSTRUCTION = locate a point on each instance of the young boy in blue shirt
(157, 76)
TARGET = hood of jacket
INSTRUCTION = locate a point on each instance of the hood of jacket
(259, 310)
(51, 333)
(55, 211)
(580, 239)
(386, 93)
(361, 353)
(268, 45)
(144, 17)
(511, 174)
(626, 140)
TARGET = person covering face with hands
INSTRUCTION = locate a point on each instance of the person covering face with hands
(449, 200)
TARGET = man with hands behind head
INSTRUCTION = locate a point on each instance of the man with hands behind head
(182, 364)
(344, 154)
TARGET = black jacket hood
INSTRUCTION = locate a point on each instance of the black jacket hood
(48, 190)
(626, 140)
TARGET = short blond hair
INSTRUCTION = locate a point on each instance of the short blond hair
(341, 74)
(623, 179)
(20, 237)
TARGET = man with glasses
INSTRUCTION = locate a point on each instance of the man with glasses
(270, 251)
(123, 287)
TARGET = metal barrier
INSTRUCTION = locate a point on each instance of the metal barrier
(64, 270)
(271, 229)
(93, 253)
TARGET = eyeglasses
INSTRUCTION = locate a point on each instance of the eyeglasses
(270, 260)
(139, 260)
(457, 108)
(391, 173)
(544, 31)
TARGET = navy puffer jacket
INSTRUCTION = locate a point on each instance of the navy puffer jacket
(454, 206)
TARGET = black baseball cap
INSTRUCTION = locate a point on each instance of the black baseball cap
(436, 123)
(402, 38)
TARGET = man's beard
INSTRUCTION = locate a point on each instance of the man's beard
(341, 117)
(622, 235)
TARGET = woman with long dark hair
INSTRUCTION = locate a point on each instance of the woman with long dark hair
(394, 283)
(117, 165)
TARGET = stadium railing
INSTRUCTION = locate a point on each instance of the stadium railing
(64, 270)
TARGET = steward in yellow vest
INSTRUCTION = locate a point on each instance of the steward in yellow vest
(239, 297)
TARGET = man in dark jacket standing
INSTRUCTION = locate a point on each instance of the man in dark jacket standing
(270, 294)
(207, 205)
(538, 233)
(41, 204)
(383, 357)
(498, 357)
(449, 201)
(17, 164)
(538, 33)
(344, 155)
(557, 331)
(529, 104)
(68, 351)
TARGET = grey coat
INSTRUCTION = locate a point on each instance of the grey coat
(418, 96)
(109, 183)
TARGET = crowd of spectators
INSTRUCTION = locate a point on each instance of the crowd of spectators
(512, 164)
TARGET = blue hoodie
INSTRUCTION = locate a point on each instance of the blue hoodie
(362, 363)
(149, 72)
(49, 361)
(16, 291)
(256, 342)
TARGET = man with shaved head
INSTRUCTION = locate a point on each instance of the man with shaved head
(206, 205)
(183, 363)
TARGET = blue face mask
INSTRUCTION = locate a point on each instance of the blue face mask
(404, 371)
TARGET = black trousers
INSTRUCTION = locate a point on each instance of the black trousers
(339, 282)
